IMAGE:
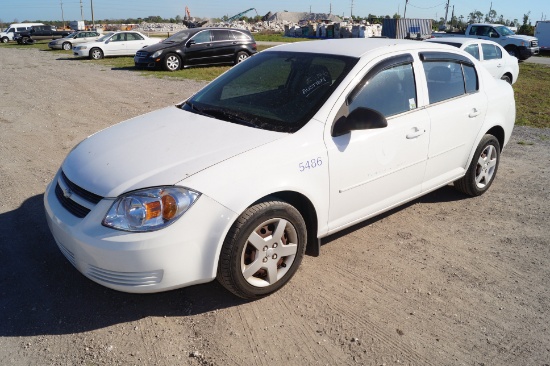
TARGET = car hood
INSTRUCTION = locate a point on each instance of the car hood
(158, 148)
(159, 46)
(521, 37)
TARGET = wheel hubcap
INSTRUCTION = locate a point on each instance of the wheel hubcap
(486, 165)
(172, 63)
(269, 252)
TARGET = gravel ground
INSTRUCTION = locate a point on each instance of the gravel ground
(443, 280)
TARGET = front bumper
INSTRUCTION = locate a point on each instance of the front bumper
(182, 254)
(81, 53)
(146, 62)
(526, 52)
(54, 46)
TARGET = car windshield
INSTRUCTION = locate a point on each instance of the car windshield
(178, 37)
(105, 37)
(276, 91)
(504, 31)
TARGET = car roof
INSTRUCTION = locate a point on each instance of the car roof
(460, 40)
(353, 47)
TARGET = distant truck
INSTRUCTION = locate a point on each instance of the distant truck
(9, 33)
(522, 47)
(542, 32)
(39, 32)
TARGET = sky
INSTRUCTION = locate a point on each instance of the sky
(20, 10)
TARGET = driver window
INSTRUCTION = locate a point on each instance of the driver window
(390, 92)
(202, 37)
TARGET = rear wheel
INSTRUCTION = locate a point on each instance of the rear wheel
(25, 40)
(67, 46)
(172, 62)
(483, 168)
(263, 250)
(96, 54)
(241, 56)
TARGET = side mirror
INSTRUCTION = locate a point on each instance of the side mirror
(494, 35)
(360, 119)
(190, 43)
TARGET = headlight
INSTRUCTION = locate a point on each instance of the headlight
(149, 209)
(156, 54)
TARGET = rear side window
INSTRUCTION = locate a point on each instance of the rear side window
(473, 50)
(220, 35)
(448, 79)
(490, 51)
(239, 36)
(133, 37)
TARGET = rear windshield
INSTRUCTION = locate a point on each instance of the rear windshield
(276, 91)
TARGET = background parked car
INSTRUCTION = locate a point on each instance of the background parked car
(198, 46)
(72, 39)
(492, 55)
(114, 44)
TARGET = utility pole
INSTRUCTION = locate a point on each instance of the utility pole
(351, 13)
(405, 13)
(92, 5)
(81, 11)
(446, 12)
(62, 16)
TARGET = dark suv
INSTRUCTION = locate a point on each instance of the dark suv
(198, 46)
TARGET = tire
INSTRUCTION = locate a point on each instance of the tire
(262, 250)
(5, 40)
(24, 40)
(483, 168)
(512, 51)
(96, 53)
(172, 62)
(241, 56)
(507, 78)
(67, 46)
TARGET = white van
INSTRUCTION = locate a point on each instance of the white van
(8, 34)
(542, 32)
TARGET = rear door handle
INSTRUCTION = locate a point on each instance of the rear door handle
(474, 113)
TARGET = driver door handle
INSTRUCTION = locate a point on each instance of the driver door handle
(474, 113)
(415, 133)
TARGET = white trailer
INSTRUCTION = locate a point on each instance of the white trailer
(542, 32)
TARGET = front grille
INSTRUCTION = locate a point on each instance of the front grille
(535, 43)
(126, 278)
(88, 196)
(141, 53)
(64, 197)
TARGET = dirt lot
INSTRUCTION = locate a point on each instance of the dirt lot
(444, 280)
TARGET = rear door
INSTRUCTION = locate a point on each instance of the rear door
(223, 47)
(456, 110)
(492, 59)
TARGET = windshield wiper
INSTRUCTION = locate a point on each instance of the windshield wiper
(228, 116)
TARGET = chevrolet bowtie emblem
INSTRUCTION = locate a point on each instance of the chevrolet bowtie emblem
(67, 193)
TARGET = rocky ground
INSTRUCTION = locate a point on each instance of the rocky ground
(443, 280)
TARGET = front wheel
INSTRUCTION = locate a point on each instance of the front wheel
(5, 39)
(241, 56)
(262, 250)
(512, 51)
(483, 168)
(96, 54)
(171, 62)
(67, 46)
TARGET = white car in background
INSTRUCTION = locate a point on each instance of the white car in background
(125, 43)
(289, 146)
(75, 38)
(492, 55)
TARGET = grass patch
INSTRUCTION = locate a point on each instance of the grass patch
(278, 37)
(533, 95)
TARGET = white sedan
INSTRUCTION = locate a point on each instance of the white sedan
(79, 37)
(114, 44)
(492, 55)
(294, 144)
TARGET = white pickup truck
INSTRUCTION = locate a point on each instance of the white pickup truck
(519, 46)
